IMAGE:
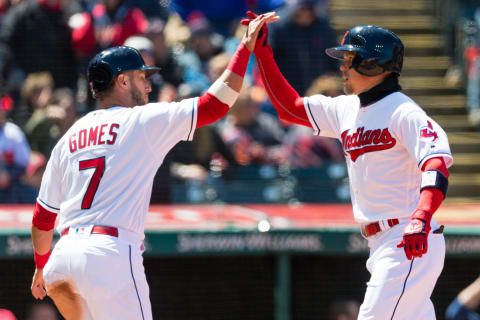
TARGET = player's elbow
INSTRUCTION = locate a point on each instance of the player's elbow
(210, 109)
(293, 112)
(43, 219)
(437, 163)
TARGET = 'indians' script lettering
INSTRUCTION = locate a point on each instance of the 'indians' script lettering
(361, 141)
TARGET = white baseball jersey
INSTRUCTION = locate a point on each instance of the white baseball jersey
(385, 145)
(101, 171)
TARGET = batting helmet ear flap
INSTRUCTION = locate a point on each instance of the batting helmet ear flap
(397, 61)
(100, 76)
(109, 63)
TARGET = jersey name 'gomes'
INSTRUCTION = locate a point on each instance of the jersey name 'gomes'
(362, 142)
(95, 135)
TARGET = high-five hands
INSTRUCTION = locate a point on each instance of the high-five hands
(256, 34)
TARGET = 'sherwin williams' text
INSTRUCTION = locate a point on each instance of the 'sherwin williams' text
(362, 142)
(96, 135)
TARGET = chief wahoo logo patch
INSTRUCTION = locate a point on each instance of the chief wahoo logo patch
(427, 132)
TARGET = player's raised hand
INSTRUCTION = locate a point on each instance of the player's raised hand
(257, 31)
(415, 239)
(38, 285)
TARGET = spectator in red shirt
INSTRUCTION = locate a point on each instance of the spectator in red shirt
(107, 24)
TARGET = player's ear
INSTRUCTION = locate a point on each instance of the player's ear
(122, 80)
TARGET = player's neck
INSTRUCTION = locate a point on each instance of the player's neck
(368, 83)
(114, 100)
(387, 86)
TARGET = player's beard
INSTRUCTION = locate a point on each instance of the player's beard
(347, 88)
(137, 97)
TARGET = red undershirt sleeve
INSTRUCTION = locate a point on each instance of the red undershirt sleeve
(210, 109)
(430, 198)
(286, 100)
(43, 219)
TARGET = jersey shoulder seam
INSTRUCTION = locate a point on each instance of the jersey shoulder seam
(310, 114)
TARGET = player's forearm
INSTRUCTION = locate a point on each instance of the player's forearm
(43, 222)
(227, 87)
(232, 79)
(223, 93)
(284, 97)
(236, 68)
(42, 240)
(432, 197)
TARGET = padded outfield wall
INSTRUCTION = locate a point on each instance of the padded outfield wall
(250, 261)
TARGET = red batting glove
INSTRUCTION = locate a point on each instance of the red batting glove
(262, 39)
(415, 238)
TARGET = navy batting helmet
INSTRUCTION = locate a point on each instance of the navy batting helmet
(103, 68)
(376, 50)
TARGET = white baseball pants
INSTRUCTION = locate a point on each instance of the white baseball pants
(107, 272)
(400, 289)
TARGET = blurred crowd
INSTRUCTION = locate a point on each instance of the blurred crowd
(462, 20)
(471, 56)
(45, 46)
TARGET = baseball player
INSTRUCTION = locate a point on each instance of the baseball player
(99, 178)
(397, 159)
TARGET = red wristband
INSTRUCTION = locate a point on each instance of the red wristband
(41, 259)
(422, 215)
(239, 61)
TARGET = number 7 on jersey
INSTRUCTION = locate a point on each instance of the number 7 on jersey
(99, 165)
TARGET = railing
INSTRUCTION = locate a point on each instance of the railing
(269, 184)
